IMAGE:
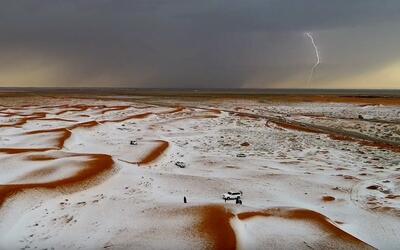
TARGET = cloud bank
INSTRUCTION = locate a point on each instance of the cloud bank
(198, 44)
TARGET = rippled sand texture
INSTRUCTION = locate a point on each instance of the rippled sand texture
(319, 173)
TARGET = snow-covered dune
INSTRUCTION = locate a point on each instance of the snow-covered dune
(93, 173)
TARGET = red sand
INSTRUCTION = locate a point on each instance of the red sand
(24, 120)
(177, 109)
(137, 116)
(155, 153)
(215, 220)
(328, 198)
(56, 119)
(23, 150)
(96, 165)
(64, 135)
(114, 108)
(40, 158)
(215, 226)
(307, 215)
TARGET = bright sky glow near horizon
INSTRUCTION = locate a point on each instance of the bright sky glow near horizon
(199, 44)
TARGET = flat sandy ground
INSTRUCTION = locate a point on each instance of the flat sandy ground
(316, 173)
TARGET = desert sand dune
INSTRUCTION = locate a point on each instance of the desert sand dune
(65, 163)
(218, 224)
(94, 165)
(153, 155)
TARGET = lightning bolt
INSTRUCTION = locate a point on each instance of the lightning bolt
(317, 61)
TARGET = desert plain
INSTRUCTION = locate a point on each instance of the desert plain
(100, 172)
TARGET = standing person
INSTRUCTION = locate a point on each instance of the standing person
(184, 199)
(238, 200)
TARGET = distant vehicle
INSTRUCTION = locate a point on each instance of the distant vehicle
(232, 195)
(180, 164)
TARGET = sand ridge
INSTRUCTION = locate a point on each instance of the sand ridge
(95, 165)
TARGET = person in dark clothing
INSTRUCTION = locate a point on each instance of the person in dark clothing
(184, 199)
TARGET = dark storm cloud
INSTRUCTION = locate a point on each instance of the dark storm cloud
(187, 43)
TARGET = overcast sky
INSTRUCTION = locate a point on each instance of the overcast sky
(199, 44)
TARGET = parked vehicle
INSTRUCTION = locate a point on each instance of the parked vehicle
(232, 195)
(180, 164)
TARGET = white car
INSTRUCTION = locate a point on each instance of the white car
(232, 195)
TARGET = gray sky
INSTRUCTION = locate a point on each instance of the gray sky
(195, 44)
